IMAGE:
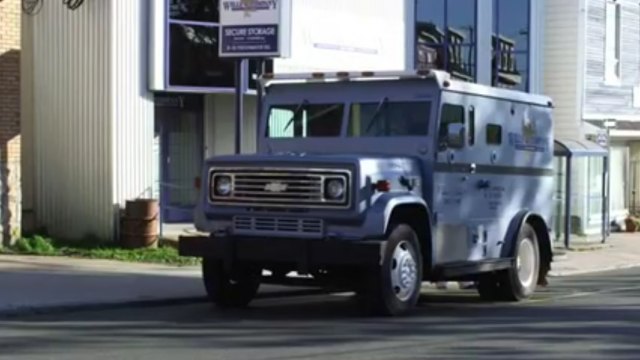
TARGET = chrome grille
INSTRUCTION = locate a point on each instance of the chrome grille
(289, 188)
(263, 224)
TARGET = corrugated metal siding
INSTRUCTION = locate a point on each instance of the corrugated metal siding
(536, 56)
(133, 111)
(563, 80)
(27, 154)
(601, 98)
(72, 126)
(561, 64)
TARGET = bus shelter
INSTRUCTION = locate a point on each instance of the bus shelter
(567, 153)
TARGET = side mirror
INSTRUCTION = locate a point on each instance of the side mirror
(455, 135)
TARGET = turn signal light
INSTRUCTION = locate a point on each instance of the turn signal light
(382, 186)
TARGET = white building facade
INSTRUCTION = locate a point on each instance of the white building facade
(592, 71)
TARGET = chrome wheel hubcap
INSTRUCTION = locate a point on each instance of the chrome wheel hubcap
(404, 271)
(526, 262)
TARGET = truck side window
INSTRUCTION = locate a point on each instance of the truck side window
(389, 118)
(306, 120)
(494, 134)
(450, 114)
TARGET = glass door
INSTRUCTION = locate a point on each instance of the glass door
(181, 158)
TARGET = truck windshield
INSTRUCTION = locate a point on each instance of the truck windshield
(389, 118)
(305, 120)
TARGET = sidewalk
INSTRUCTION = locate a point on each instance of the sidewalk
(29, 283)
(622, 250)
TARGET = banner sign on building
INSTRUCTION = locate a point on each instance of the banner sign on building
(255, 28)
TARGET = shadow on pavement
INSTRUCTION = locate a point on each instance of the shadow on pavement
(443, 326)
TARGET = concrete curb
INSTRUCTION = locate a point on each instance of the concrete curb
(563, 273)
(133, 304)
(68, 308)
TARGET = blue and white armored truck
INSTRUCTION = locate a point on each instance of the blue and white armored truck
(378, 182)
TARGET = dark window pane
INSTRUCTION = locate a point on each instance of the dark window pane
(313, 120)
(446, 36)
(389, 119)
(512, 71)
(194, 60)
(431, 14)
(461, 20)
(513, 22)
(194, 10)
(494, 134)
(462, 62)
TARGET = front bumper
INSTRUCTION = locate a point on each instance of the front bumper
(304, 253)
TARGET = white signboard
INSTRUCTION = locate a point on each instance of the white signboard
(347, 35)
(254, 28)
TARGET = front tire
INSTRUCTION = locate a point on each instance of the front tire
(393, 288)
(520, 281)
(235, 289)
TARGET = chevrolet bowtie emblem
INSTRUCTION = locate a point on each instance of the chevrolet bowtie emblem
(275, 187)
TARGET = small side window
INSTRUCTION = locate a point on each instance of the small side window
(494, 134)
(450, 114)
(472, 126)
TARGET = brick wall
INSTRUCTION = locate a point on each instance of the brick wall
(10, 199)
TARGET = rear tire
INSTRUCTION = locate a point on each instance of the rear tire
(520, 281)
(227, 290)
(393, 288)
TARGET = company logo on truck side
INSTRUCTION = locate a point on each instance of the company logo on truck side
(528, 140)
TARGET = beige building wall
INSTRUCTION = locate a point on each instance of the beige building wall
(10, 178)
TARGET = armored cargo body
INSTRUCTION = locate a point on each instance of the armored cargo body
(378, 182)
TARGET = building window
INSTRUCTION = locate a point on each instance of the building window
(612, 42)
(595, 168)
(511, 46)
(192, 46)
(446, 36)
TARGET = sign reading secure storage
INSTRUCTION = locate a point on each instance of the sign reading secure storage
(255, 28)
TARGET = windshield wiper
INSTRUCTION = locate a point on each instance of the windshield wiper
(375, 115)
(296, 112)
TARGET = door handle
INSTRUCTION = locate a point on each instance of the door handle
(472, 168)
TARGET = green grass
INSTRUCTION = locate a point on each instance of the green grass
(42, 246)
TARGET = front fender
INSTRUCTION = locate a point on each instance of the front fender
(514, 228)
(379, 214)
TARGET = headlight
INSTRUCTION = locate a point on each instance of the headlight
(222, 185)
(334, 189)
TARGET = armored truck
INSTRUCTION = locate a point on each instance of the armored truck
(377, 182)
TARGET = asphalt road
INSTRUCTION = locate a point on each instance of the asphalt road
(585, 317)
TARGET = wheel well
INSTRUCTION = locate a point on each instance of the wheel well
(416, 216)
(544, 242)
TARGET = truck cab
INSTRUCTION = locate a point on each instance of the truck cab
(378, 182)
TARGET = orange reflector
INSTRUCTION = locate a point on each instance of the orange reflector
(368, 73)
(267, 75)
(343, 74)
(382, 186)
(423, 72)
(317, 75)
